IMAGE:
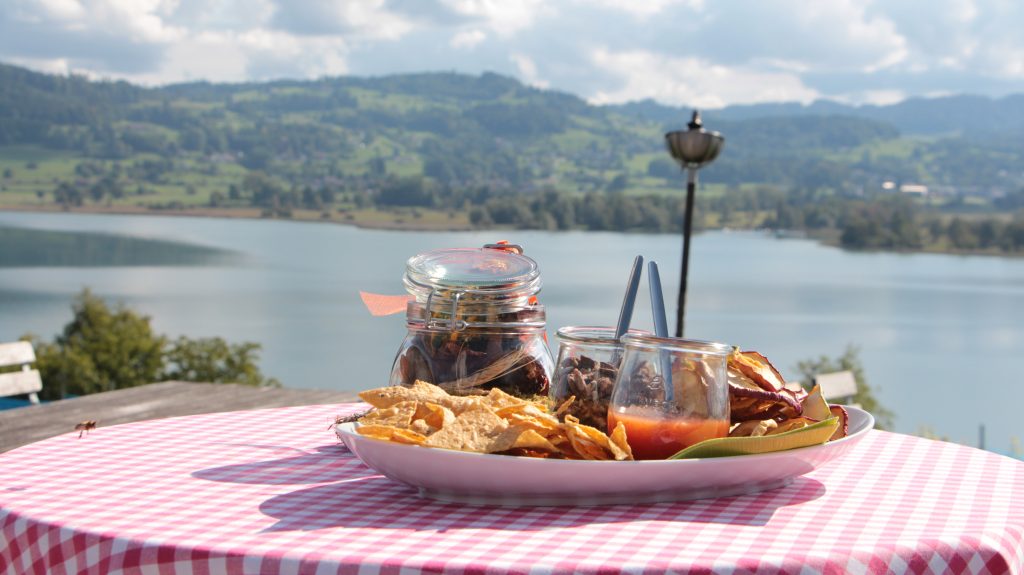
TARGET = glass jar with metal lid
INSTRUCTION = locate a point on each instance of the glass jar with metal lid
(474, 322)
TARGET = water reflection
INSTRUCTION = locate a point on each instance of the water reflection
(26, 247)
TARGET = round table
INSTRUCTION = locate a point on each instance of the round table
(273, 491)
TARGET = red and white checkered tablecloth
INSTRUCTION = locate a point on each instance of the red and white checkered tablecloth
(273, 491)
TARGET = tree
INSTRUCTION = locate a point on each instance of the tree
(961, 235)
(67, 195)
(310, 199)
(480, 217)
(101, 349)
(618, 184)
(849, 361)
(327, 195)
(214, 360)
(378, 168)
(411, 191)
(105, 348)
(663, 168)
(262, 189)
(258, 158)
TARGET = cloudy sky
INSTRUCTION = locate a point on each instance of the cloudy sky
(708, 53)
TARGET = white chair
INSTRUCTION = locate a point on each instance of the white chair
(26, 381)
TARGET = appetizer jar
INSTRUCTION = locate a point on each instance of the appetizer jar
(671, 393)
(587, 366)
(474, 323)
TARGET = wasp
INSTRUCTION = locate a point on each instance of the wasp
(84, 427)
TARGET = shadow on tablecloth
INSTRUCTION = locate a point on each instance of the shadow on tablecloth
(290, 465)
(349, 494)
(376, 502)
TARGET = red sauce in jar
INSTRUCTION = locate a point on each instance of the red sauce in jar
(653, 435)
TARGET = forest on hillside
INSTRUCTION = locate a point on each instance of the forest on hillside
(453, 150)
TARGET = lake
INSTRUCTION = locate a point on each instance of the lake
(940, 336)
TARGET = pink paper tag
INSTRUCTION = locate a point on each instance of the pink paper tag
(380, 304)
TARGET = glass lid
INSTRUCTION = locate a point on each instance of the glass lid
(471, 269)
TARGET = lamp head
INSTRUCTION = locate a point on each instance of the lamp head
(695, 147)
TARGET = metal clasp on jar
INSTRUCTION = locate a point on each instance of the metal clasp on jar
(453, 324)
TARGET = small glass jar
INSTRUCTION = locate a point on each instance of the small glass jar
(671, 393)
(474, 323)
(587, 366)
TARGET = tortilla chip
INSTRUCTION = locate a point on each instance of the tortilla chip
(434, 415)
(530, 439)
(398, 415)
(497, 399)
(408, 436)
(618, 444)
(534, 453)
(562, 409)
(461, 404)
(588, 441)
(424, 414)
(471, 431)
(421, 427)
(391, 433)
(530, 415)
(384, 397)
(520, 437)
(592, 443)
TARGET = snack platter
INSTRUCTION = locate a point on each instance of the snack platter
(485, 479)
(497, 449)
(477, 412)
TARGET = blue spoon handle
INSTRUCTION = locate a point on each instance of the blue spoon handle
(660, 327)
(657, 300)
(626, 313)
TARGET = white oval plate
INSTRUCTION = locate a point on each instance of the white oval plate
(484, 479)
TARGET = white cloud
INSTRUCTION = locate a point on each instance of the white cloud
(833, 35)
(678, 51)
(467, 38)
(368, 19)
(877, 37)
(528, 70)
(693, 82)
(504, 17)
(642, 9)
(58, 66)
(139, 20)
(62, 9)
(201, 56)
(875, 97)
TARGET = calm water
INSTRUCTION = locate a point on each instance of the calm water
(940, 336)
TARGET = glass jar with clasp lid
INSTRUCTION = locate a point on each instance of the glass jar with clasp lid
(474, 322)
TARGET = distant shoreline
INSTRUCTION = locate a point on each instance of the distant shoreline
(398, 222)
(402, 222)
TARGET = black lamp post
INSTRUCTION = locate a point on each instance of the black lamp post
(693, 149)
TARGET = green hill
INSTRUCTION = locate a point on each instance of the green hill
(433, 146)
(491, 130)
